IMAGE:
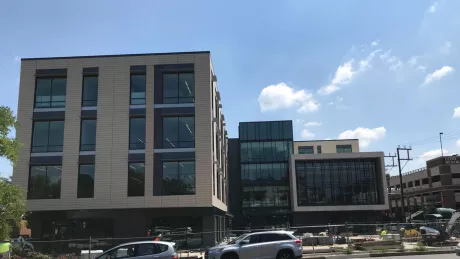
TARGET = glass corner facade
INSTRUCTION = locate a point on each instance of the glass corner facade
(265, 149)
(338, 182)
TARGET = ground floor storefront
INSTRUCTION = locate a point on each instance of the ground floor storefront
(188, 227)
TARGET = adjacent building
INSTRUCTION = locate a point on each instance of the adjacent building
(436, 185)
(114, 146)
(278, 182)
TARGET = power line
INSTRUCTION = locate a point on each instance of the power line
(447, 136)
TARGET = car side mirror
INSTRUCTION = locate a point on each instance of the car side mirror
(243, 242)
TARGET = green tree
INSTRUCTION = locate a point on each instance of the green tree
(9, 146)
(12, 197)
(12, 207)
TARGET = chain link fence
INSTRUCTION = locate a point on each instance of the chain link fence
(329, 239)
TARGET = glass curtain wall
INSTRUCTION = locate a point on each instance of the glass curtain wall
(265, 148)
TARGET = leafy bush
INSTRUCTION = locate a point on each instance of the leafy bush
(420, 247)
(36, 255)
(67, 256)
(348, 250)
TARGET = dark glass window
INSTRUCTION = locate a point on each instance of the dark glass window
(404, 186)
(48, 136)
(343, 149)
(272, 151)
(417, 182)
(50, 92)
(262, 131)
(265, 196)
(137, 133)
(137, 89)
(425, 181)
(85, 181)
(254, 173)
(178, 88)
(179, 132)
(44, 182)
(306, 150)
(90, 85)
(136, 179)
(410, 184)
(88, 135)
(337, 182)
(318, 149)
(435, 179)
(179, 178)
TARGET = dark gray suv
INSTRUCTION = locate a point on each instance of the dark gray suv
(259, 245)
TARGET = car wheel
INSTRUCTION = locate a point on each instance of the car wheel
(230, 256)
(284, 255)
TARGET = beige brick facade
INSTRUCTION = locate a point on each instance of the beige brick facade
(112, 135)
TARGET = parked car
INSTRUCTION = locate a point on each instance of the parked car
(259, 245)
(142, 250)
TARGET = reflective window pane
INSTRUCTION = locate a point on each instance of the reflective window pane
(50, 92)
(337, 182)
(58, 92)
(178, 88)
(48, 136)
(44, 182)
(137, 133)
(178, 132)
(137, 89)
(343, 149)
(90, 89)
(179, 178)
(43, 93)
(306, 150)
(86, 181)
(88, 135)
(136, 179)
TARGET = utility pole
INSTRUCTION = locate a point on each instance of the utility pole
(440, 141)
(400, 175)
(391, 166)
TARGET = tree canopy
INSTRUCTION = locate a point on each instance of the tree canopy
(12, 207)
(12, 200)
(9, 146)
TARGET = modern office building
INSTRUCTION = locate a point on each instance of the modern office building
(278, 182)
(337, 188)
(116, 145)
(436, 185)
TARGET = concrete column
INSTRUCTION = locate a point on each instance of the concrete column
(209, 237)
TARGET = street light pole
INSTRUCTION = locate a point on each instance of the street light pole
(440, 141)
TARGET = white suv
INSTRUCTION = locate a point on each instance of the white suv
(259, 245)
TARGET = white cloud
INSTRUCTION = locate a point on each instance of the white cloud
(422, 68)
(458, 143)
(412, 61)
(445, 48)
(365, 135)
(281, 96)
(375, 43)
(306, 134)
(433, 7)
(17, 59)
(385, 56)
(313, 124)
(330, 103)
(456, 112)
(396, 66)
(343, 75)
(438, 74)
(433, 154)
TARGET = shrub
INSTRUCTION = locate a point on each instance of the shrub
(67, 256)
(420, 247)
(36, 255)
(348, 250)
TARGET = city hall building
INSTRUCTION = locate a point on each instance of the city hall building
(279, 182)
(114, 146)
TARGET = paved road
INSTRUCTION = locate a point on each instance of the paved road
(445, 256)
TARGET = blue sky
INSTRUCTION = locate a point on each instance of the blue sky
(381, 71)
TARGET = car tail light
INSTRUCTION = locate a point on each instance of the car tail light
(297, 241)
(175, 256)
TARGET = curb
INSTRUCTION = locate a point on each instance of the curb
(412, 253)
(366, 255)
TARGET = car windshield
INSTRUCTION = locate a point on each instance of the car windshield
(234, 241)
